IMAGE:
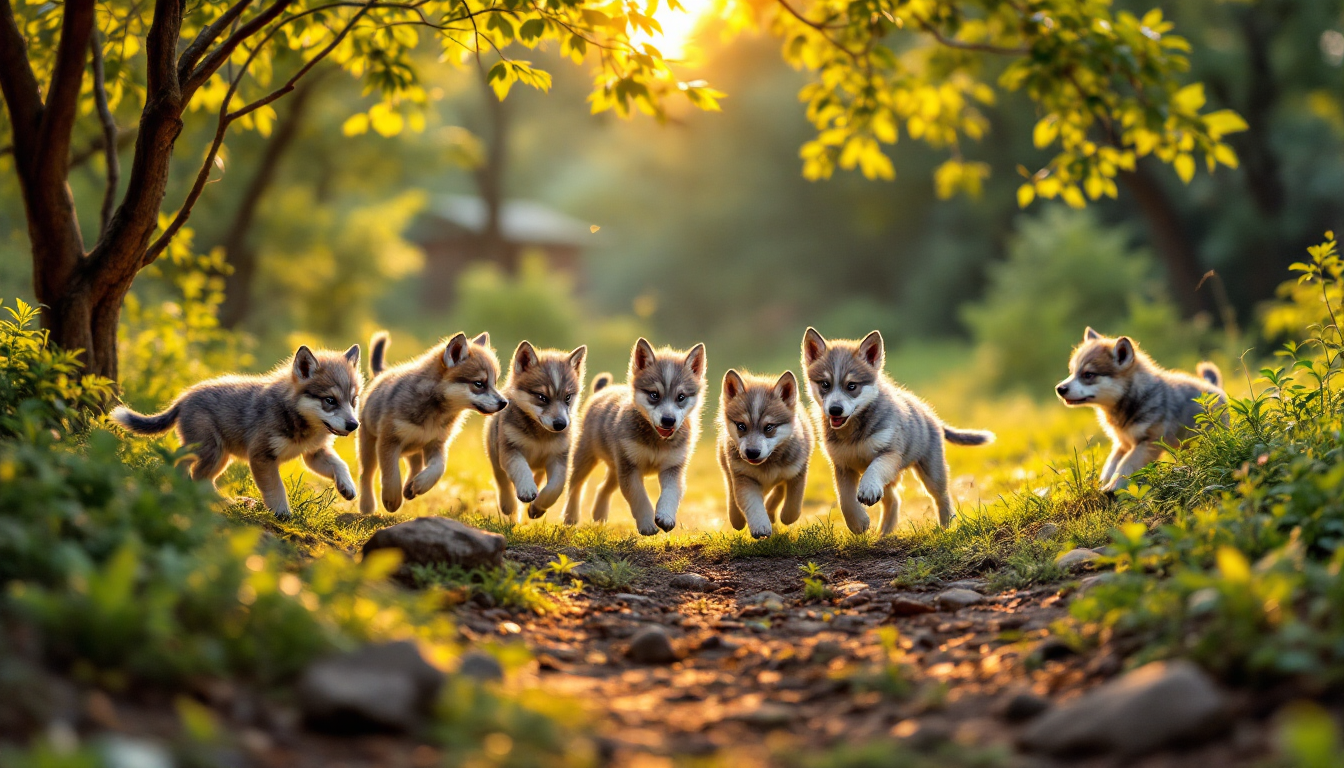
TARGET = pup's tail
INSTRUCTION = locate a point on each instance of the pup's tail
(146, 425)
(967, 436)
(1210, 373)
(377, 352)
(600, 382)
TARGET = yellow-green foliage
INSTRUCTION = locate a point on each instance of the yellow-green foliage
(41, 387)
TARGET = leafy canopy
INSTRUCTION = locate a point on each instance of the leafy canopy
(1106, 83)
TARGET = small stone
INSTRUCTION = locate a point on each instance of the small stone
(690, 582)
(385, 687)
(904, 606)
(1023, 706)
(1047, 532)
(652, 646)
(955, 599)
(632, 598)
(770, 601)
(431, 540)
(858, 598)
(1076, 560)
(1159, 705)
(1052, 649)
(480, 666)
(805, 628)
(770, 715)
(972, 584)
(827, 650)
(1094, 580)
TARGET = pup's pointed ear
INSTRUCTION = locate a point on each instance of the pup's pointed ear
(786, 388)
(524, 356)
(352, 354)
(1124, 352)
(483, 340)
(577, 357)
(305, 363)
(871, 349)
(1090, 335)
(455, 351)
(732, 385)
(695, 359)
(814, 346)
(642, 355)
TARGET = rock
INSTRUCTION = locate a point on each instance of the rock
(1076, 560)
(904, 606)
(767, 600)
(972, 584)
(480, 666)
(632, 598)
(1094, 580)
(690, 582)
(386, 687)
(770, 715)
(652, 646)
(955, 599)
(430, 540)
(1159, 705)
(1023, 706)
(1047, 532)
(858, 598)
(825, 651)
(1052, 649)
(806, 628)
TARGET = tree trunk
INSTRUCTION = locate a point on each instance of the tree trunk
(1169, 239)
(241, 254)
(490, 183)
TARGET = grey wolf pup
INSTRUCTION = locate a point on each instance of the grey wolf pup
(295, 410)
(1141, 405)
(647, 426)
(874, 430)
(532, 436)
(765, 443)
(415, 410)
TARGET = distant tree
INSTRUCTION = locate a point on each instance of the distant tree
(1105, 82)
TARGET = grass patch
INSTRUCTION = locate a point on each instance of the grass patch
(509, 586)
(611, 574)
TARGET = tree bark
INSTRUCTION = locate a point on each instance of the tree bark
(1169, 238)
(240, 252)
(490, 183)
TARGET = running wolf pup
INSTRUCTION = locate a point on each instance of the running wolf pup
(874, 430)
(648, 425)
(295, 410)
(532, 436)
(764, 444)
(1141, 405)
(415, 410)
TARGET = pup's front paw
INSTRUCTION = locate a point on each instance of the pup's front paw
(391, 499)
(527, 493)
(761, 531)
(665, 520)
(647, 528)
(534, 512)
(859, 525)
(283, 513)
(346, 487)
(422, 483)
(408, 491)
(870, 492)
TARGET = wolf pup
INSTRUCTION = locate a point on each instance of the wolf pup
(415, 410)
(295, 410)
(532, 436)
(1141, 405)
(764, 443)
(648, 425)
(875, 429)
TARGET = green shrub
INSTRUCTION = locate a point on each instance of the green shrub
(1064, 272)
(41, 388)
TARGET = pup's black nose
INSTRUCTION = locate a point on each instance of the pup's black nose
(669, 422)
(752, 454)
(837, 411)
(351, 425)
(1062, 389)
(559, 425)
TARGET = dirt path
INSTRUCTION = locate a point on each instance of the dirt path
(756, 676)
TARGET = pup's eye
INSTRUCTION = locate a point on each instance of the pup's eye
(653, 396)
(825, 385)
(478, 384)
(568, 398)
(851, 386)
(544, 399)
(742, 428)
(769, 429)
(681, 398)
(330, 402)
(1088, 376)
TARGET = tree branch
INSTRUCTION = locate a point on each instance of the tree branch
(109, 134)
(951, 42)
(18, 83)
(67, 79)
(226, 118)
(216, 58)
(206, 37)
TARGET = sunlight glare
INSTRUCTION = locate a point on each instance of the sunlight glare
(679, 27)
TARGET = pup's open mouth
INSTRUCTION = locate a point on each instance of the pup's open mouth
(838, 421)
(335, 431)
(754, 462)
(665, 433)
(1077, 400)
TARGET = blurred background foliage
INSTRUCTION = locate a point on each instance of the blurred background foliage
(706, 230)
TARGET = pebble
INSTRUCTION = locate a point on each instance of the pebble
(1047, 532)
(652, 646)
(690, 582)
(1023, 706)
(905, 606)
(480, 666)
(770, 601)
(1076, 560)
(957, 598)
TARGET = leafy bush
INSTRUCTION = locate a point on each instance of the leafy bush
(40, 386)
(1064, 272)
